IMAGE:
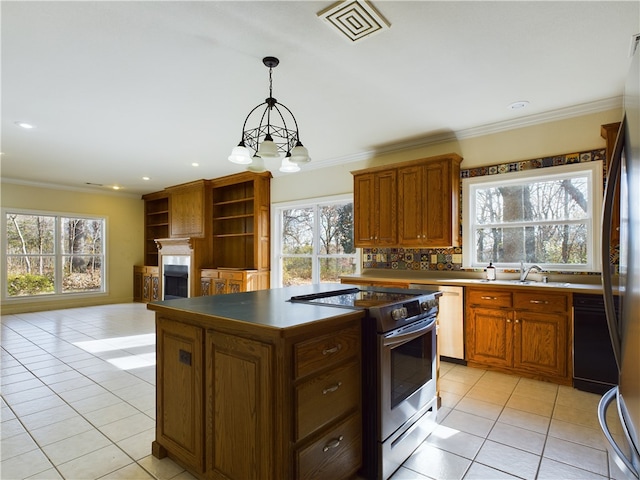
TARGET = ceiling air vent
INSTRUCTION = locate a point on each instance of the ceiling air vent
(357, 19)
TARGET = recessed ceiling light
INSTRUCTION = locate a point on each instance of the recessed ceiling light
(146, 178)
(25, 125)
(518, 105)
(116, 187)
(195, 164)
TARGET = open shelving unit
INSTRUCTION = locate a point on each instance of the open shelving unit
(156, 224)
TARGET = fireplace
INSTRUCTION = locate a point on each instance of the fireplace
(175, 276)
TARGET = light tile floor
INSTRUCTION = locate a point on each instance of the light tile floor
(78, 402)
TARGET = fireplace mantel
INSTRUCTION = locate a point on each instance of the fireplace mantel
(176, 246)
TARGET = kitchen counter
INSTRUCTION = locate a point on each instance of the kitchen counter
(267, 310)
(566, 283)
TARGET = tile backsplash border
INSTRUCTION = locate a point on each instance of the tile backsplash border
(450, 259)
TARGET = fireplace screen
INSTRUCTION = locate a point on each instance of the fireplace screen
(176, 281)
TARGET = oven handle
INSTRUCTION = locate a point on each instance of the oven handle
(403, 335)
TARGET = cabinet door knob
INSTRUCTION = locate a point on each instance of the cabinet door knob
(332, 388)
(517, 321)
(333, 443)
(508, 320)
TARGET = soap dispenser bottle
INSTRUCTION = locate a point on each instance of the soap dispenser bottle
(491, 272)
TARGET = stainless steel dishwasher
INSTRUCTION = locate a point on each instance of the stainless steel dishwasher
(450, 320)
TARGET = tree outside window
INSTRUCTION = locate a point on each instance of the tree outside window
(316, 243)
(53, 254)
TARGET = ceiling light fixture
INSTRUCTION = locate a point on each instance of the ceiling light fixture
(518, 105)
(271, 140)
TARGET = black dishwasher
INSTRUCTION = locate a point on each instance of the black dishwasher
(594, 364)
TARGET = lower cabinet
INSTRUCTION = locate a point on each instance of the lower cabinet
(221, 281)
(526, 332)
(235, 405)
(146, 283)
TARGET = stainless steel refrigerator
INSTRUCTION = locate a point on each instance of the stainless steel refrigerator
(623, 183)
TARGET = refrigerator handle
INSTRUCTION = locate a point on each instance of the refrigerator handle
(613, 178)
(616, 453)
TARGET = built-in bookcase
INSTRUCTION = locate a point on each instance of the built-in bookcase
(156, 219)
(241, 221)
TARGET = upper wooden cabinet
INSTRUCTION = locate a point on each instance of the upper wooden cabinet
(375, 197)
(428, 200)
(190, 209)
(413, 204)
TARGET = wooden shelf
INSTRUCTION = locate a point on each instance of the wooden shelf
(233, 217)
(231, 202)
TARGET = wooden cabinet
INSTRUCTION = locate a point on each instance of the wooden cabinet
(327, 420)
(526, 332)
(180, 392)
(190, 209)
(242, 404)
(220, 281)
(146, 283)
(412, 204)
(156, 224)
(375, 197)
(241, 226)
(223, 223)
(428, 203)
(241, 425)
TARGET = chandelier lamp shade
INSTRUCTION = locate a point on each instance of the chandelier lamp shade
(275, 137)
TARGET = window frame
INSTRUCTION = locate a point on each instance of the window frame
(276, 236)
(594, 172)
(59, 256)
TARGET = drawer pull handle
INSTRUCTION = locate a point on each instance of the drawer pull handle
(544, 302)
(489, 298)
(332, 388)
(329, 351)
(335, 443)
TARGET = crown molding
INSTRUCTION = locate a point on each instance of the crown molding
(489, 129)
(67, 188)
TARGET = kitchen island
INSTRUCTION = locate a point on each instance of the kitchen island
(251, 386)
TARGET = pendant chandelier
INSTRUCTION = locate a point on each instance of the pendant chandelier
(276, 135)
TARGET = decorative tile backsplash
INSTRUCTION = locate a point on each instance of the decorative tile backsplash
(450, 259)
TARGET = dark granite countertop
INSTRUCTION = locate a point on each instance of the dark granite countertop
(262, 308)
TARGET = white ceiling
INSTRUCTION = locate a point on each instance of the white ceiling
(120, 90)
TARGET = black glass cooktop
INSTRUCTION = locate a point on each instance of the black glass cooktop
(353, 298)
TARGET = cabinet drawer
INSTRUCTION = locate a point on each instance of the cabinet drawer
(232, 275)
(318, 353)
(337, 454)
(209, 273)
(489, 298)
(541, 301)
(326, 397)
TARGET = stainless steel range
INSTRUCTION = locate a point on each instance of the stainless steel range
(398, 370)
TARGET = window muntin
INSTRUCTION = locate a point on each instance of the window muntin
(548, 216)
(314, 242)
(49, 254)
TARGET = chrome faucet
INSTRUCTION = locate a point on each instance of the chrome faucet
(525, 271)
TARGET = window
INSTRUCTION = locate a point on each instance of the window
(313, 242)
(547, 216)
(50, 254)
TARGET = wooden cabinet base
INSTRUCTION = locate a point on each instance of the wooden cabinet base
(521, 373)
(237, 401)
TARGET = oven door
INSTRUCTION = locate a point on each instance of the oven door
(407, 370)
